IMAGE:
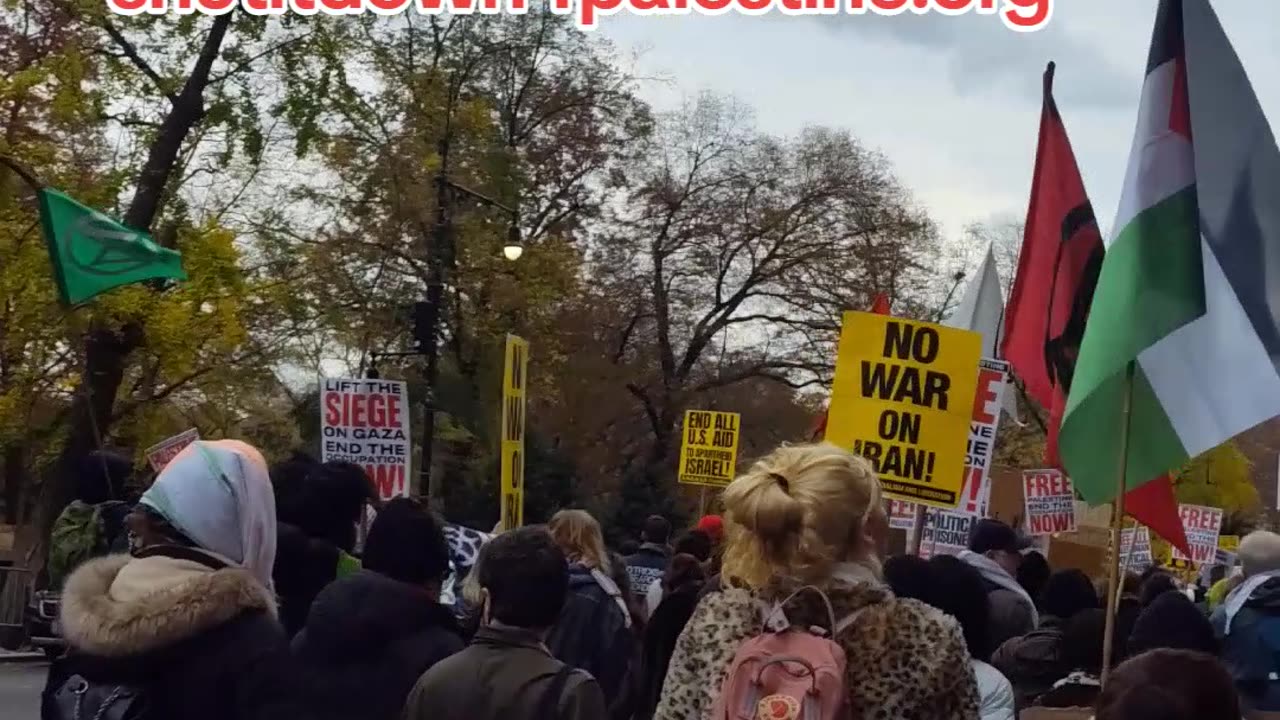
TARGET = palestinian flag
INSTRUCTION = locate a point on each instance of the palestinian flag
(1186, 286)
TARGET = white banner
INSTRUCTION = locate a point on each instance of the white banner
(993, 379)
(1050, 502)
(1135, 548)
(1202, 525)
(946, 532)
(366, 422)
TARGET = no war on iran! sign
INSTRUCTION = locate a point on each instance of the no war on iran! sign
(903, 399)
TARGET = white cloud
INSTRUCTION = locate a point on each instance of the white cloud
(953, 102)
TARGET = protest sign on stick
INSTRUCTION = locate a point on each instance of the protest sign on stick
(514, 383)
(1050, 502)
(945, 532)
(366, 422)
(161, 453)
(1135, 548)
(902, 515)
(903, 399)
(709, 451)
(1202, 525)
(993, 377)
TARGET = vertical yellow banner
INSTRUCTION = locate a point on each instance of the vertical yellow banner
(514, 384)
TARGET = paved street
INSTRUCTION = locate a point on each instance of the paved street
(20, 686)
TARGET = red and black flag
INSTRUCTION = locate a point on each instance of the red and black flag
(1058, 268)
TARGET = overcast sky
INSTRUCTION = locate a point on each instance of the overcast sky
(953, 101)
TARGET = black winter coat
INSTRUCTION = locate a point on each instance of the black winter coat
(592, 633)
(304, 566)
(203, 644)
(367, 641)
(660, 636)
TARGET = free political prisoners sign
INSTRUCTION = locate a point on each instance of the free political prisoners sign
(1050, 500)
(709, 451)
(1202, 525)
(903, 399)
(366, 422)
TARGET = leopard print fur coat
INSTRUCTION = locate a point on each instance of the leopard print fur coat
(906, 660)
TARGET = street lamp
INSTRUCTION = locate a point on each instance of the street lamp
(513, 248)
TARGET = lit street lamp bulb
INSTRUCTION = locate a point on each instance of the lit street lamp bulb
(512, 252)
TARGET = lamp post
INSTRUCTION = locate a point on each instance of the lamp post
(440, 256)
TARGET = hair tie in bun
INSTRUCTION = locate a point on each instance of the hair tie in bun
(782, 482)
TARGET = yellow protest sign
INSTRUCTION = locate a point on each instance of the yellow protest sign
(709, 453)
(903, 398)
(514, 381)
(1230, 543)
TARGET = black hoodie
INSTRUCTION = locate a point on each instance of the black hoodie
(367, 640)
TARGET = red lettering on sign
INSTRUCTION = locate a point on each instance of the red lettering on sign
(332, 408)
(981, 402)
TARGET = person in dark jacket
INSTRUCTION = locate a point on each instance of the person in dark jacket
(646, 566)
(1171, 621)
(1033, 573)
(1248, 623)
(507, 672)
(1082, 641)
(371, 635)
(317, 532)
(594, 630)
(1155, 582)
(680, 588)
(995, 550)
(188, 621)
(1033, 662)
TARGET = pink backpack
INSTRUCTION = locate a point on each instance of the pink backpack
(787, 673)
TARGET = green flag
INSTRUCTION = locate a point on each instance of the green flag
(91, 253)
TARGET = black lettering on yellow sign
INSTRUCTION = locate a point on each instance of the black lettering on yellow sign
(897, 383)
(904, 462)
(511, 519)
(899, 426)
(706, 467)
(517, 469)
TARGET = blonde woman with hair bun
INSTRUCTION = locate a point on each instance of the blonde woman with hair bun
(813, 515)
(594, 630)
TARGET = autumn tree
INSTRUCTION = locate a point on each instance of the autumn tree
(724, 237)
(428, 114)
(178, 101)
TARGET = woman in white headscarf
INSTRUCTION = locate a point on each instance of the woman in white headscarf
(186, 623)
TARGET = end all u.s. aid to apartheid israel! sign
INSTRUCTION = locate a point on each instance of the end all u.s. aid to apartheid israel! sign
(903, 399)
(709, 451)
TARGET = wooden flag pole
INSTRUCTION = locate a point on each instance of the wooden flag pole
(1117, 523)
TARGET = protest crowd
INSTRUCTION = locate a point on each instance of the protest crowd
(242, 591)
(861, 572)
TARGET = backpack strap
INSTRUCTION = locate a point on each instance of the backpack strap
(549, 704)
(771, 613)
(848, 620)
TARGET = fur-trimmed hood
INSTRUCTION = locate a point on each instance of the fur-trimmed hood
(119, 606)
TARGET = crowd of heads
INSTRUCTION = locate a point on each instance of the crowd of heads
(801, 513)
